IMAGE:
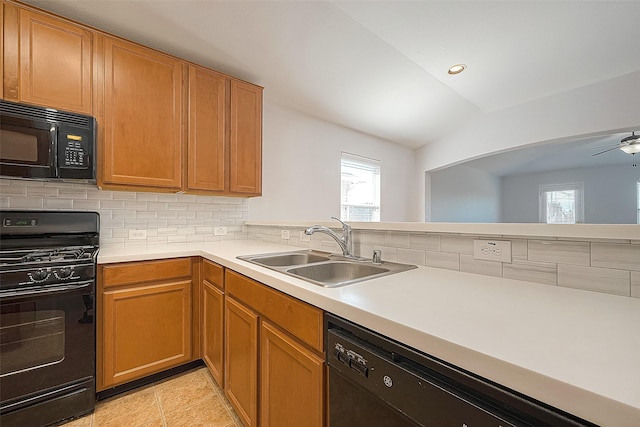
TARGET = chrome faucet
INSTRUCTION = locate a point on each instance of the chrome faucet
(345, 242)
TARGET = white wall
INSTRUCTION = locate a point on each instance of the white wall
(301, 169)
(464, 194)
(609, 194)
(606, 107)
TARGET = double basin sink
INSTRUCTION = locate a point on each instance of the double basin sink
(325, 269)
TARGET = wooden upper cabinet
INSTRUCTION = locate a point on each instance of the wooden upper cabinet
(246, 139)
(48, 61)
(225, 134)
(142, 117)
(2, 49)
(163, 124)
(207, 165)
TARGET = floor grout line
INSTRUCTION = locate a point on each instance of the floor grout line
(162, 417)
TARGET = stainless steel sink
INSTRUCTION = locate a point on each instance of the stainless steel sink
(289, 258)
(332, 273)
(325, 269)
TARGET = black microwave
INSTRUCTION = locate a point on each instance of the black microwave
(48, 144)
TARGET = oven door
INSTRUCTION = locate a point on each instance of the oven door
(28, 148)
(47, 343)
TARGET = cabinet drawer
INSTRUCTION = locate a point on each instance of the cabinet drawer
(213, 273)
(302, 320)
(147, 271)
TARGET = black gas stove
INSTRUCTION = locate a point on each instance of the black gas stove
(47, 327)
(45, 268)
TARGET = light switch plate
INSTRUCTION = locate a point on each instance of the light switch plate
(285, 234)
(492, 250)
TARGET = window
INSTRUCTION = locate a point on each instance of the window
(562, 203)
(359, 189)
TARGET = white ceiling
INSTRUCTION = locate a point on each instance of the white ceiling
(580, 153)
(381, 67)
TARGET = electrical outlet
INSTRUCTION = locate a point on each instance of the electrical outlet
(304, 237)
(285, 234)
(492, 250)
(137, 234)
(220, 231)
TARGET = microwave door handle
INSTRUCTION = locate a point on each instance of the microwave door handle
(53, 152)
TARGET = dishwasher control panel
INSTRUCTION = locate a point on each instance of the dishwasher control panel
(350, 358)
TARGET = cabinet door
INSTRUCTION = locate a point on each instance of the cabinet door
(213, 330)
(207, 140)
(2, 27)
(55, 63)
(146, 329)
(291, 381)
(246, 139)
(142, 143)
(241, 361)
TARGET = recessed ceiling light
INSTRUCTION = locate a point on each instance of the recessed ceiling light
(457, 69)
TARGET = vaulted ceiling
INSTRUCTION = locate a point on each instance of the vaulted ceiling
(380, 67)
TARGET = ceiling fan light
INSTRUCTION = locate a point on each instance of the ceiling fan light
(632, 148)
(632, 139)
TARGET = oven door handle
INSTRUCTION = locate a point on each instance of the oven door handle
(45, 290)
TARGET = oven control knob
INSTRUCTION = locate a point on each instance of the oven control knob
(39, 275)
(64, 273)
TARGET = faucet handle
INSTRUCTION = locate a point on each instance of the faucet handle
(345, 226)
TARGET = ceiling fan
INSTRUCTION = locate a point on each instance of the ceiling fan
(629, 144)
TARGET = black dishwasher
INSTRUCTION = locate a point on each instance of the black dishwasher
(376, 381)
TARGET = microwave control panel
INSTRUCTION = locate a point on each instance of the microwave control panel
(74, 150)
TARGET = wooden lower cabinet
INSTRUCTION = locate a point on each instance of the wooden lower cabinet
(274, 365)
(147, 330)
(145, 322)
(241, 360)
(291, 381)
(262, 346)
(213, 320)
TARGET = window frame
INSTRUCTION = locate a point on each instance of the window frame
(578, 187)
(368, 164)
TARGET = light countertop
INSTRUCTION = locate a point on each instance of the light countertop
(576, 350)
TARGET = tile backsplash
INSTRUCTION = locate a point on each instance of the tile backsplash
(608, 266)
(167, 218)
(611, 266)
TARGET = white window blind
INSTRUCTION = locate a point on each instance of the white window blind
(359, 188)
(561, 203)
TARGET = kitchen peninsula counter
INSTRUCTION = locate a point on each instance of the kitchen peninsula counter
(576, 350)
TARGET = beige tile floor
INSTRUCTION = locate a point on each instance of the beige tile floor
(188, 399)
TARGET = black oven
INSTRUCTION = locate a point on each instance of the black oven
(47, 324)
(43, 143)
